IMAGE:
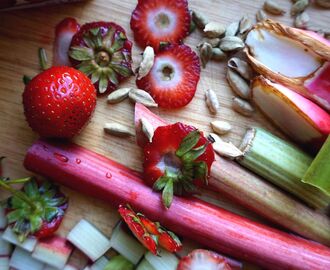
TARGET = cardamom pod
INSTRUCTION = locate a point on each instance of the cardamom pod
(299, 7)
(301, 20)
(220, 127)
(214, 42)
(117, 129)
(225, 149)
(218, 54)
(118, 95)
(245, 25)
(214, 30)
(238, 84)
(231, 43)
(232, 29)
(243, 107)
(147, 128)
(212, 101)
(323, 3)
(192, 25)
(147, 62)
(143, 97)
(261, 15)
(205, 53)
(241, 67)
(199, 19)
(273, 7)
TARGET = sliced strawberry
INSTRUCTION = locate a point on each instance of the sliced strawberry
(64, 32)
(169, 241)
(150, 226)
(160, 21)
(173, 79)
(178, 156)
(203, 259)
(135, 225)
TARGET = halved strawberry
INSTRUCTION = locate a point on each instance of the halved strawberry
(177, 156)
(203, 259)
(102, 51)
(64, 31)
(160, 21)
(173, 79)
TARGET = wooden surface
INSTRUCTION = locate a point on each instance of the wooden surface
(23, 32)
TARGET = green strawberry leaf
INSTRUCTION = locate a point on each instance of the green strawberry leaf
(81, 53)
(167, 194)
(188, 143)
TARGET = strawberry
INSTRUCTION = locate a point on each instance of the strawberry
(173, 79)
(38, 209)
(103, 52)
(64, 32)
(150, 234)
(59, 102)
(153, 22)
(203, 259)
(177, 156)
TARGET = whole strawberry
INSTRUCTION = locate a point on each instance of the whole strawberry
(102, 51)
(177, 157)
(59, 102)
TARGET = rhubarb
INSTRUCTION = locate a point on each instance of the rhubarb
(4, 263)
(249, 190)
(301, 119)
(22, 260)
(5, 247)
(225, 232)
(293, 57)
(100, 264)
(28, 244)
(118, 263)
(318, 174)
(3, 219)
(165, 260)
(281, 163)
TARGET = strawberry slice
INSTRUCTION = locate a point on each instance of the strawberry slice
(177, 156)
(158, 21)
(203, 259)
(173, 79)
(64, 32)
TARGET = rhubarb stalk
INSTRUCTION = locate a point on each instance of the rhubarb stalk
(209, 225)
(281, 163)
(318, 174)
(254, 193)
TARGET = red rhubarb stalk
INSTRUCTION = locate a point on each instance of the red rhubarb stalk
(252, 192)
(100, 177)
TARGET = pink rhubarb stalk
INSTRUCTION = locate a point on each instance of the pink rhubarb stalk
(300, 118)
(100, 177)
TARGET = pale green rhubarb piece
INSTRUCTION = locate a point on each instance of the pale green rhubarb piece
(281, 163)
(318, 173)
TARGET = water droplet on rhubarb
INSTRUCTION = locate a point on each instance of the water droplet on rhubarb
(61, 157)
(108, 175)
(78, 161)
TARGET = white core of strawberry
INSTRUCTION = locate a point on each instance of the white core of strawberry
(29, 243)
(167, 72)
(162, 21)
(202, 261)
(22, 260)
(281, 54)
(165, 260)
(171, 163)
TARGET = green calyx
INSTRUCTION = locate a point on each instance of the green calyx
(103, 57)
(182, 180)
(30, 207)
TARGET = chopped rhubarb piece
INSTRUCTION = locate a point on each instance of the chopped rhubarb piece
(3, 219)
(165, 260)
(22, 260)
(89, 240)
(54, 251)
(4, 263)
(28, 244)
(100, 264)
(78, 259)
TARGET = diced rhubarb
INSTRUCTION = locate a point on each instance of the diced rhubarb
(22, 260)
(165, 260)
(78, 259)
(100, 264)
(28, 244)
(89, 239)
(4, 263)
(5, 247)
(3, 219)
(145, 265)
(223, 232)
(54, 251)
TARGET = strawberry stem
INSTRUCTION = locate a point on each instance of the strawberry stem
(17, 193)
(42, 59)
(18, 181)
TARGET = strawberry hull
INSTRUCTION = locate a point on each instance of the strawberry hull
(225, 232)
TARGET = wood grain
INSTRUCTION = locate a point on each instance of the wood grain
(23, 32)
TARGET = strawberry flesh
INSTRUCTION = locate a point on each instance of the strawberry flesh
(64, 32)
(203, 259)
(153, 22)
(173, 79)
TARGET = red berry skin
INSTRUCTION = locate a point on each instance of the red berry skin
(49, 228)
(59, 102)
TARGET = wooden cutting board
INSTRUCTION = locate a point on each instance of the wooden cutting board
(23, 32)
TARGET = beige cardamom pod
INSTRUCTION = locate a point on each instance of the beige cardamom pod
(232, 29)
(301, 21)
(231, 43)
(205, 53)
(214, 42)
(220, 127)
(323, 3)
(299, 7)
(143, 97)
(245, 25)
(225, 149)
(118, 95)
(261, 15)
(238, 84)
(147, 62)
(243, 107)
(117, 129)
(241, 67)
(273, 7)
(200, 19)
(212, 101)
(218, 54)
(214, 30)
(147, 128)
